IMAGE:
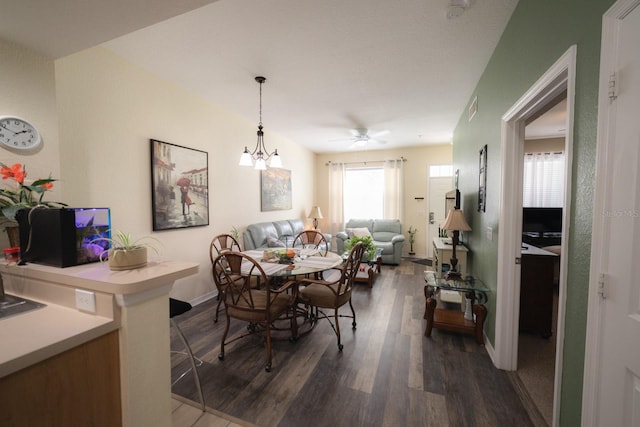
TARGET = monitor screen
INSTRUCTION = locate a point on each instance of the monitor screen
(542, 220)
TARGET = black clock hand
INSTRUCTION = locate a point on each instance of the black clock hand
(15, 133)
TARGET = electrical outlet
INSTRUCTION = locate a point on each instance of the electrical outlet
(85, 300)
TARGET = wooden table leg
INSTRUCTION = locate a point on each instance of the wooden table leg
(481, 314)
(429, 309)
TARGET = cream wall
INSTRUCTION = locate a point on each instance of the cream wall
(108, 111)
(27, 90)
(544, 145)
(415, 184)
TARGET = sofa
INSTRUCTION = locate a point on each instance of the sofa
(274, 234)
(386, 234)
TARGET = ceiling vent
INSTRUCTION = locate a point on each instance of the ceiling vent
(458, 7)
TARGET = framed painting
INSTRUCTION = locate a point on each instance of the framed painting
(179, 186)
(275, 186)
(482, 186)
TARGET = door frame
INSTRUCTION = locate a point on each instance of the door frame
(611, 22)
(558, 78)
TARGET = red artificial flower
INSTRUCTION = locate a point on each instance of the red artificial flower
(16, 172)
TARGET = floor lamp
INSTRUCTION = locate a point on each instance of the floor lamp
(455, 222)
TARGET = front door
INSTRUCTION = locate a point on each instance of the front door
(438, 187)
(612, 368)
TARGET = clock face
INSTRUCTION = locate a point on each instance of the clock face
(17, 133)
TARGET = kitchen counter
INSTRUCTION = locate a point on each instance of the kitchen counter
(133, 302)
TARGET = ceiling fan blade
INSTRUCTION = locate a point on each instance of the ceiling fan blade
(359, 143)
(348, 138)
(380, 133)
(379, 141)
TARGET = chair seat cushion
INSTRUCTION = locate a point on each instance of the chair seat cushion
(242, 311)
(323, 296)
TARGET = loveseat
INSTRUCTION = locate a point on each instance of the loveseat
(386, 234)
(274, 234)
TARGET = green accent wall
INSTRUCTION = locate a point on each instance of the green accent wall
(537, 35)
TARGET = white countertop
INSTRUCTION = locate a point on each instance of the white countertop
(36, 335)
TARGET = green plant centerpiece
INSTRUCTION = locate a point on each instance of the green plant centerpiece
(124, 252)
(367, 242)
(412, 238)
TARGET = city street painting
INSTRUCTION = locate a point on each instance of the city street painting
(179, 186)
(275, 187)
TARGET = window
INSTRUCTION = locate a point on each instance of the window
(364, 192)
(543, 185)
(440, 171)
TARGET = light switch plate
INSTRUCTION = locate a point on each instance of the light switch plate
(85, 300)
(490, 233)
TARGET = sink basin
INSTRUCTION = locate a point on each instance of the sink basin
(11, 305)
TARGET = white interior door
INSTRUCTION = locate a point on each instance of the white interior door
(438, 187)
(612, 370)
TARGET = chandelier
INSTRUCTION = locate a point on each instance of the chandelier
(260, 153)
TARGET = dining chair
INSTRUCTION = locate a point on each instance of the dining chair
(318, 294)
(232, 274)
(222, 243)
(311, 239)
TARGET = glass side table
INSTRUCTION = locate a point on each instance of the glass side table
(471, 321)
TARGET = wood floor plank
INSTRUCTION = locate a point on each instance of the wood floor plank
(388, 373)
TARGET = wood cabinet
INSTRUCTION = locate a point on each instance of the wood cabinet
(80, 387)
(536, 290)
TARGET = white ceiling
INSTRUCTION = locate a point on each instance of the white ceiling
(331, 66)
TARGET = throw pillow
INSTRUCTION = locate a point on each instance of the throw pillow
(349, 232)
(273, 242)
(361, 232)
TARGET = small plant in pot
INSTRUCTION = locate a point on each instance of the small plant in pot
(412, 239)
(367, 242)
(125, 252)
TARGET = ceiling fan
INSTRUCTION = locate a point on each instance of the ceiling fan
(361, 137)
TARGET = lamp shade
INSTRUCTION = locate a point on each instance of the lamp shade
(455, 221)
(315, 213)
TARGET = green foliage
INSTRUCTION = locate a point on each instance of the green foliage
(367, 242)
(235, 233)
(122, 241)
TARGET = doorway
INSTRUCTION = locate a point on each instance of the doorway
(440, 182)
(543, 202)
(558, 79)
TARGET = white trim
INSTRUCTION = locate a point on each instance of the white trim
(611, 22)
(559, 77)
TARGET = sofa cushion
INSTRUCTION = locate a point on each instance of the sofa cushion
(360, 223)
(358, 232)
(273, 242)
(259, 233)
(383, 236)
(387, 225)
(284, 228)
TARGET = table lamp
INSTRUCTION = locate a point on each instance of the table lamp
(315, 214)
(455, 222)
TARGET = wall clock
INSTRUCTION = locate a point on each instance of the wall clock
(18, 133)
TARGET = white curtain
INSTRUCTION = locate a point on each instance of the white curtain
(543, 180)
(393, 189)
(336, 207)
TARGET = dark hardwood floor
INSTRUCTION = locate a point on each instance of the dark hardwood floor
(389, 373)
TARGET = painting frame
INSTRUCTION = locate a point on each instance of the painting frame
(482, 180)
(179, 186)
(275, 190)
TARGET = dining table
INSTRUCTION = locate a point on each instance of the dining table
(305, 262)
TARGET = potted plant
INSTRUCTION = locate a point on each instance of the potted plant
(367, 242)
(125, 252)
(20, 195)
(412, 239)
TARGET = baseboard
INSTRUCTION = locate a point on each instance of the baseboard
(204, 298)
(488, 346)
